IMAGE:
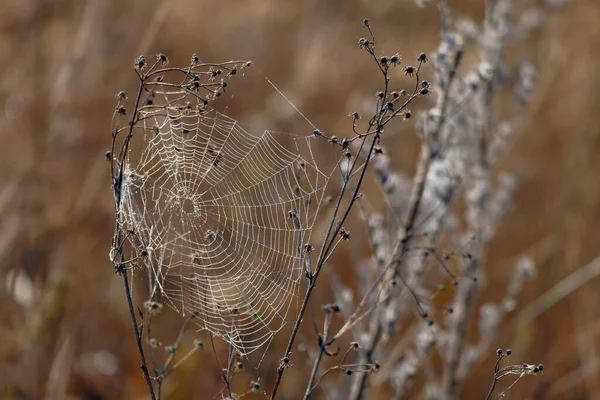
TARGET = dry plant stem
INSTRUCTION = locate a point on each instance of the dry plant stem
(331, 369)
(119, 240)
(379, 120)
(322, 347)
(223, 372)
(405, 235)
(359, 383)
(320, 263)
(117, 171)
(465, 295)
(138, 336)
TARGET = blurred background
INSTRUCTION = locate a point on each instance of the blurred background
(64, 324)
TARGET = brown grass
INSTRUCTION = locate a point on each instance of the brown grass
(63, 63)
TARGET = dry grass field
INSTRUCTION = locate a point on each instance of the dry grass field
(64, 325)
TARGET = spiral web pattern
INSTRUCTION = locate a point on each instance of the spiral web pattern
(220, 218)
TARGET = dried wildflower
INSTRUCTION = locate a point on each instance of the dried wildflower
(422, 58)
(198, 344)
(331, 308)
(195, 59)
(140, 63)
(345, 234)
(284, 363)
(164, 60)
(374, 367)
(153, 307)
(255, 387)
(233, 71)
(409, 70)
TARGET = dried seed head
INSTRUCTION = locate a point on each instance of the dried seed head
(255, 387)
(140, 63)
(164, 60)
(198, 344)
(345, 234)
(153, 307)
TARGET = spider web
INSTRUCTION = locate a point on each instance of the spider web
(220, 218)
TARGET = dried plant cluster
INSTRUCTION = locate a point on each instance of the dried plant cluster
(408, 325)
(471, 226)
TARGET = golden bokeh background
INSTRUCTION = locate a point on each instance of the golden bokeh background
(64, 326)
